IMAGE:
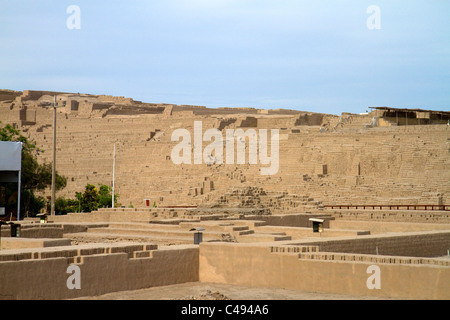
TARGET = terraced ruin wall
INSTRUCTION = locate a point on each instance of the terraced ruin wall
(260, 267)
(328, 158)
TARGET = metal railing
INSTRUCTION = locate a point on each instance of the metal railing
(422, 207)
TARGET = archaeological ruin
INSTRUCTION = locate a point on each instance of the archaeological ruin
(352, 204)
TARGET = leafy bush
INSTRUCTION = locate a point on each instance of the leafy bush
(89, 201)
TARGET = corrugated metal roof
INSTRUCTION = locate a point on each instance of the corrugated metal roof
(411, 110)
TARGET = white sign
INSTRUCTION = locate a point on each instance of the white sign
(2, 211)
(10, 156)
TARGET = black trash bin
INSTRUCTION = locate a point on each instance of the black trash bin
(317, 225)
(198, 236)
(15, 230)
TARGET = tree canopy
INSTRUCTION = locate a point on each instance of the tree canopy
(35, 176)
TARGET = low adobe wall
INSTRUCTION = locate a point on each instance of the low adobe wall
(377, 227)
(42, 273)
(408, 216)
(118, 215)
(292, 220)
(24, 243)
(50, 230)
(258, 266)
(412, 244)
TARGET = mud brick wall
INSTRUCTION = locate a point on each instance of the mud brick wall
(43, 272)
(260, 267)
(415, 244)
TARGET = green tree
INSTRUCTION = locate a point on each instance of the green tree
(35, 176)
(89, 200)
(64, 206)
(105, 197)
(79, 196)
(61, 205)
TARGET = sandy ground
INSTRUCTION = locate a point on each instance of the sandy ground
(214, 291)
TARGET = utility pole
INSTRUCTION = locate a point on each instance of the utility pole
(55, 105)
(54, 161)
(114, 171)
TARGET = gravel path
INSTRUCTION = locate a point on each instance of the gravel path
(214, 291)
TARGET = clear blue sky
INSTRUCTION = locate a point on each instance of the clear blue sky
(310, 55)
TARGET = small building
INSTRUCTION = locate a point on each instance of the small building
(404, 117)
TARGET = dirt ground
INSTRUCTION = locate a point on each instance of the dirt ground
(214, 291)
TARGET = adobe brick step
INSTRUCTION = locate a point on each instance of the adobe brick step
(215, 226)
(260, 237)
(154, 232)
(142, 226)
(101, 237)
(245, 232)
(167, 221)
